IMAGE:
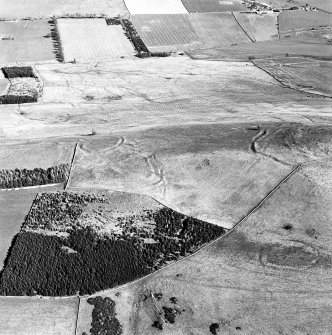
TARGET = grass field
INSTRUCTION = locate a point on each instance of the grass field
(325, 5)
(265, 277)
(48, 8)
(303, 20)
(192, 169)
(155, 7)
(261, 50)
(166, 32)
(92, 39)
(36, 154)
(32, 41)
(36, 316)
(312, 76)
(218, 29)
(259, 27)
(202, 6)
(4, 83)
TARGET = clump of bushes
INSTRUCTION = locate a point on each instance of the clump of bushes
(18, 72)
(104, 319)
(38, 176)
(114, 21)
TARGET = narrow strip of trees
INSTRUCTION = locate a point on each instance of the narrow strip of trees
(38, 176)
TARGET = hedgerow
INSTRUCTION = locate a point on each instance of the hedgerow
(38, 176)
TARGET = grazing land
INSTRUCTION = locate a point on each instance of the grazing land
(218, 29)
(92, 39)
(259, 27)
(35, 315)
(249, 270)
(200, 178)
(47, 8)
(202, 6)
(301, 74)
(299, 20)
(155, 7)
(30, 41)
(166, 32)
(263, 50)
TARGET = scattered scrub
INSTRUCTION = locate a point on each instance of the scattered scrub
(38, 176)
(38, 262)
(170, 313)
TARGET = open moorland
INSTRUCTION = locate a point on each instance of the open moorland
(165, 167)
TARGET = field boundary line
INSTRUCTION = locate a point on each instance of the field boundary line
(77, 314)
(242, 28)
(71, 165)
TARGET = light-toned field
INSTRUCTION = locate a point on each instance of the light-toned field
(155, 7)
(299, 19)
(127, 94)
(4, 83)
(208, 172)
(166, 32)
(48, 8)
(325, 5)
(312, 76)
(259, 27)
(38, 316)
(202, 6)
(14, 206)
(92, 39)
(29, 155)
(32, 41)
(218, 29)
(270, 275)
(263, 50)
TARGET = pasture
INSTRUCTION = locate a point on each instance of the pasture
(166, 32)
(259, 27)
(92, 39)
(47, 8)
(261, 50)
(203, 6)
(31, 41)
(301, 74)
(192, 169)
(217, 29)
(25, 155)
(155, 7)
(35, 315)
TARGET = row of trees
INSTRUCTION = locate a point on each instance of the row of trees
(18, 99)
(38, 176)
